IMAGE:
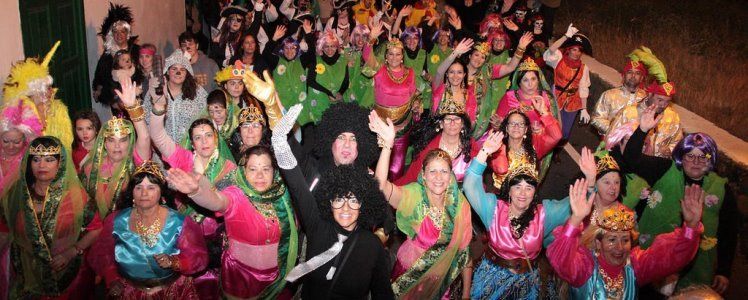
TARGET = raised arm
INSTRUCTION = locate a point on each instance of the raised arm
(672, 251)
(404, 12)
(462, 47)
(499, 71)
(545, 138)
(128, 95)
(160, 139)
(264, 90)
(570, 31)
(650, 168)
(376, 30)
(386, 136)
(483, 203)
(572, 260)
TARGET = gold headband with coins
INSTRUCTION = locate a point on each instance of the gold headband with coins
(451, 107)
(607, 163)
(618, 218)
(528, 65)
(482, 47)
(117, 128)
(526, 168)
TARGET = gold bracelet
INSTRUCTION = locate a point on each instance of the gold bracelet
(137, 113)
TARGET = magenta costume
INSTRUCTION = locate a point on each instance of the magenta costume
(120, 254)
(394, 98)
(576, 264)
(516, 100)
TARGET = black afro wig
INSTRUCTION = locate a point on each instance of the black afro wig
(342, 180)
(347, 117)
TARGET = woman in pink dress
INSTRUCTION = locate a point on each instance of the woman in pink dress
(395, 95)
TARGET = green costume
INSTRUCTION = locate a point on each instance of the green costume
(330, 77)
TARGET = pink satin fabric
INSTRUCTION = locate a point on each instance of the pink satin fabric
(390, 93)
(500, 234)
(471, 105)
(397, 159)
(242, 281)
(412, 249)
(182, 288)
(245, 224)
(509, 102)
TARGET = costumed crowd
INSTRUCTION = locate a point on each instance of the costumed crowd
(355, 150)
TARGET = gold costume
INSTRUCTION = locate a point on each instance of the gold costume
(660, 140)
(610, 103)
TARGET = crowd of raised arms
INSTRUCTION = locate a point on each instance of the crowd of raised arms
(356, 150)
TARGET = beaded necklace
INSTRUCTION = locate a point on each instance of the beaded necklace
(398, 80)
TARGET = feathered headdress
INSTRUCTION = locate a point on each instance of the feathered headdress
(21, 116)
(117, 13)
(29, 76)
(656, 69)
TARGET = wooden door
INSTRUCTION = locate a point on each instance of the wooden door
(43, 22)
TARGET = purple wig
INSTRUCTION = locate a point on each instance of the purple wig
(411, 32)
(288, 41)
(701, 141)
(435, 38)
(361, 31)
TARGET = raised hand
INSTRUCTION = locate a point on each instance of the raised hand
(571, 30)
(405, 11)
(493, 142)
(581, 206)
(509, 24)
(375, 28)
(384, 130)
(463, 46)
(539, 104)
(284, 126)
(128, 93)
(495, 121)
(280, 31)
(260, 89)
(648, 119)
(587, 165)
(525, 40)
(692, 205)
(182, 181)
(307, 25)
(455, 21)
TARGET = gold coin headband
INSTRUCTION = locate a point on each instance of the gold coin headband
(618, 218)
(117, 128)
(528, 65)
(482, 48)
(152, 168)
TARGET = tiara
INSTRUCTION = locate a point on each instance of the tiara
(251, 114)
(618, 218)
(524, 168)
(482, 48)
(150, 167)
(451, 107)
(607, 163)
(117, 128)
(41, 150)
(528, 65)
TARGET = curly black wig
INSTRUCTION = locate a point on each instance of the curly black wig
(347, 117)
(523, 221)
(116, 13)
(343, 180)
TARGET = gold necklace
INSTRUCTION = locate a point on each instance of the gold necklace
(613, 286)
(453, 151)
(400, 79)
(148, 234)
(267, 210)
(436, 214)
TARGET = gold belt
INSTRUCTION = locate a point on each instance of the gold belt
(398, 114)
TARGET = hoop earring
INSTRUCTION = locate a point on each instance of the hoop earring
(524, 136)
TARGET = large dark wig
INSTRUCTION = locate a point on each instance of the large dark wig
(523, 221)
(128, 194)
(343, 180)
(526, 142)
(426, 130)
(347, 117)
